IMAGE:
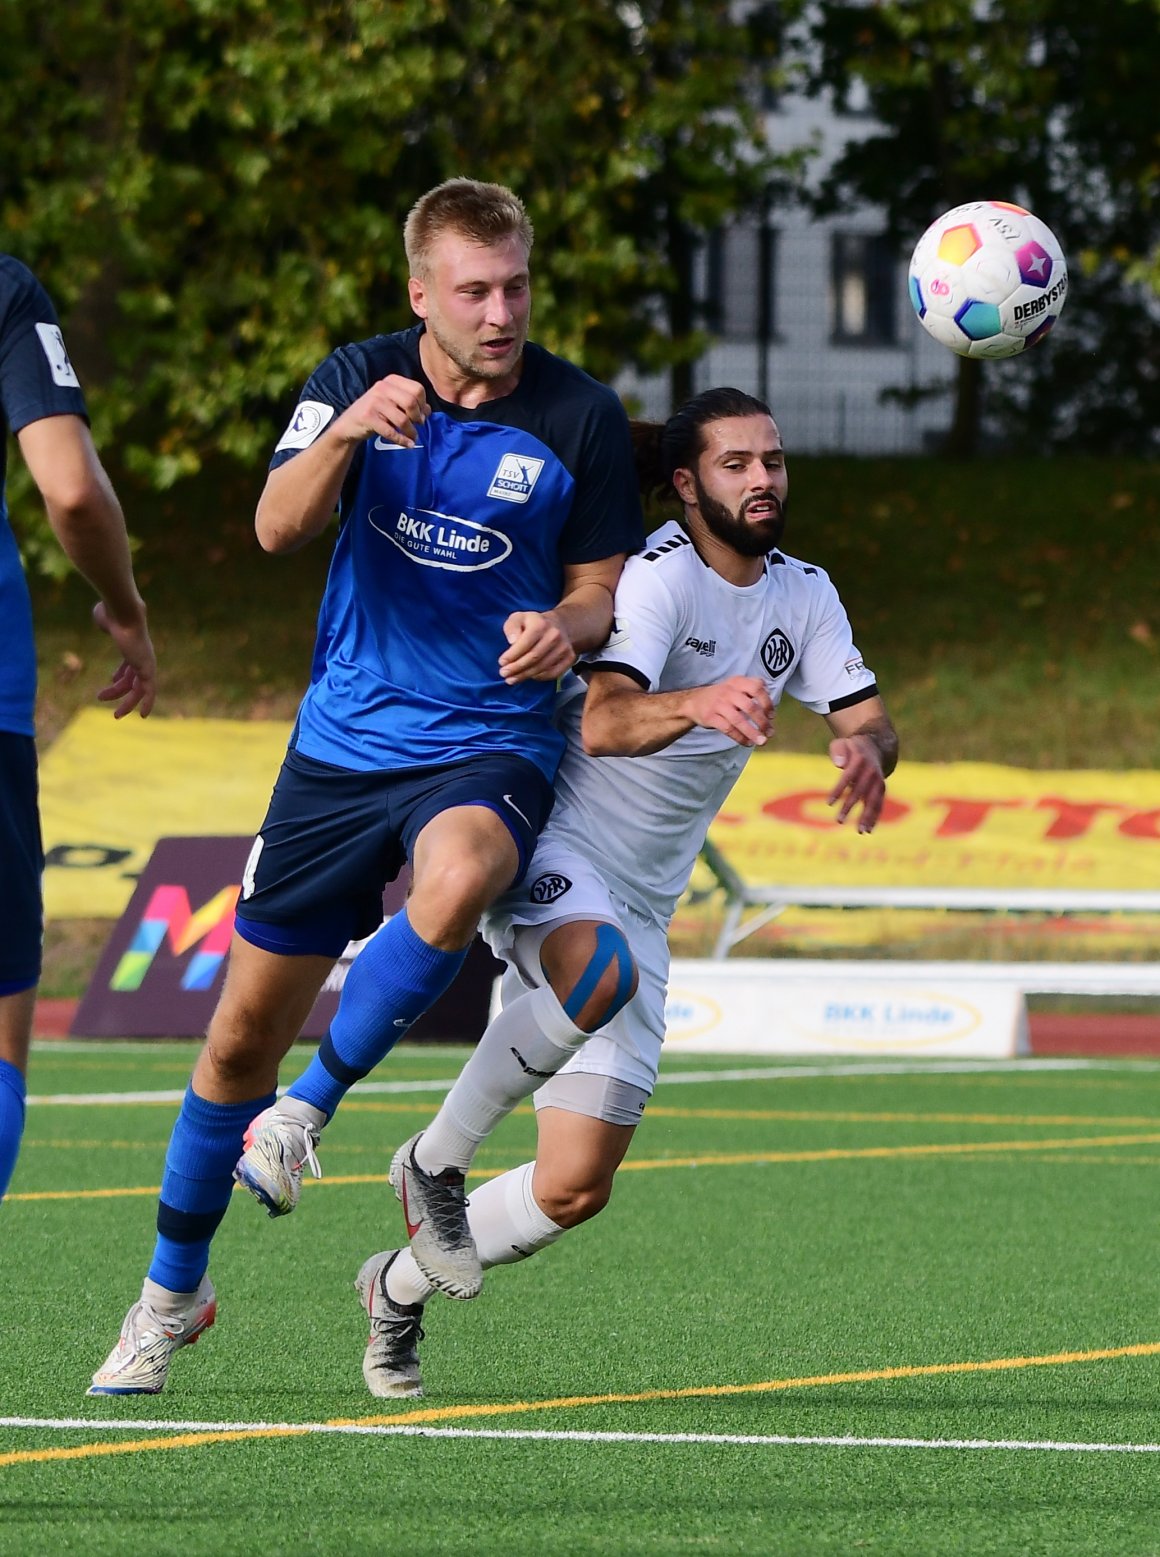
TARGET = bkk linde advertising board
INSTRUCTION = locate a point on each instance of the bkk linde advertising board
(753, 1007)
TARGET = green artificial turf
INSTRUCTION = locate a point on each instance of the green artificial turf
(829, 1236)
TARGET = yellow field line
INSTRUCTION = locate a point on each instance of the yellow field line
(818, 1115)
(698, 1160)
(765, 1387)
(849, 1116)
(575, 1402)
(1118, 1160)
(90, 1451)
(859, 1153)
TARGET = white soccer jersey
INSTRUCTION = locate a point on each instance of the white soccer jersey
(642, 820)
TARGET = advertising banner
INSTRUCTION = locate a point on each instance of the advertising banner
(161, 973)
(761, 1008)
(960, 823)
(110, 790)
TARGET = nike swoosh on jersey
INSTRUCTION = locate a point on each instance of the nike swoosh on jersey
(393, 448)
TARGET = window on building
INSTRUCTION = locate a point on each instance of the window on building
(766, 24)
(863, 289)
(739, 292)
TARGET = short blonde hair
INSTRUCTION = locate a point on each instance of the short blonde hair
(482, 213)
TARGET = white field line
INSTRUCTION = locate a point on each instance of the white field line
(671, 1078)
(769, 1440)
(175, 1095)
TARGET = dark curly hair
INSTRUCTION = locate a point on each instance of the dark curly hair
(660, 448)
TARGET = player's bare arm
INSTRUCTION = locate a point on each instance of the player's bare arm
(865, 748)
(622, 720)
(86, 519)
(542, 645)
(300, 497)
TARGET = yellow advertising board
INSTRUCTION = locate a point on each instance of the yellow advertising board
(961, 824)
(110, 789)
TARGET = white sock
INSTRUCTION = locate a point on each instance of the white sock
(305, 1113)
(162, 1301)
(406, 1283)
(506, 1223)
(528, 1042)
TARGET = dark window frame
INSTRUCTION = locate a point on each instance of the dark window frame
(870, 261)
(758, 321)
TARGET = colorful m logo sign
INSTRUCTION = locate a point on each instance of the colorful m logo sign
(168, 914)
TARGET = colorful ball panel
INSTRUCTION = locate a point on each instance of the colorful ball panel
(979, 320)
(987, 278)
(958, 244)
(1034, 263)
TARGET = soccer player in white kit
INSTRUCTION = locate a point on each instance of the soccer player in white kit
(712, 625)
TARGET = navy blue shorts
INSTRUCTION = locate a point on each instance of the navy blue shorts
(21, 866)
(333, 838)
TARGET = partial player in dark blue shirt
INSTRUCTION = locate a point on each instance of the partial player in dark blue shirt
(487, 498)
(42, 404)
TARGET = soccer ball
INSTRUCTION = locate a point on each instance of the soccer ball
(988, 279)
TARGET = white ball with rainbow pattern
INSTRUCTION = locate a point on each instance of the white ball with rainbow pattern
(988, 279)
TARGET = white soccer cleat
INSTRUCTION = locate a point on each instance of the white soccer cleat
(435, 1211)
(277, 1148)
(139, 1363)
(391, 1361)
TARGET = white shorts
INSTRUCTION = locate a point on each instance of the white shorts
(560, 885)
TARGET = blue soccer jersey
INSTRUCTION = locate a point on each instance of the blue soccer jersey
(439, 544)
(36, 380)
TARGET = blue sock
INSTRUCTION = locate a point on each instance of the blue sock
(196, 1187)
(391, 982)
(11, 1121)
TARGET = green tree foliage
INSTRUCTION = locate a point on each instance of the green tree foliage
(214, 190)
(1051, 103)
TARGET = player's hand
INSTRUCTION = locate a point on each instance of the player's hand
(862, 781)
(393, 409)
(539, 649)
(134, 682)
(740, 708)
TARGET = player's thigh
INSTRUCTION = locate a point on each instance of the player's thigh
(469, 832)
(16, 1027)
(463, 860)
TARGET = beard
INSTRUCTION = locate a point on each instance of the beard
(468, 357)
(750, 540)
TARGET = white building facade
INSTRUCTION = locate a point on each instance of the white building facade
(812, 315)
